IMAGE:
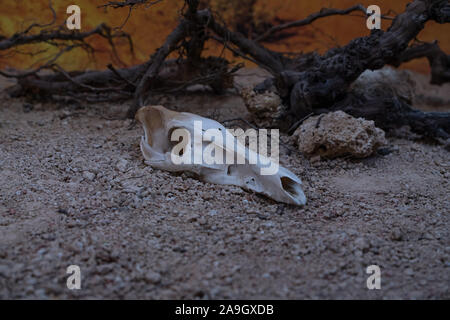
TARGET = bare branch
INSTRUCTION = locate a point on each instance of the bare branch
(34, 25)
(439, 60)
(237, 52)
(19, 39)
(48, 65)
(129, 3)
(269, 60)
(324, 12)
(156, 62)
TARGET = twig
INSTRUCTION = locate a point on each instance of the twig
(235, 51)
(324, 12)
(129, 3)
(298, 123)
(49, 64)
(117, 73)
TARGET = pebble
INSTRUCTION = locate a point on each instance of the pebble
(4, 271)
(152, 277)
(315, 160)
(362, 244)
(122, 165)
(88, 175)
(409, 272)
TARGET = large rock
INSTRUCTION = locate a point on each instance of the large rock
(338, 134)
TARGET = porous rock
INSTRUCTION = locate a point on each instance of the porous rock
(266, 107)
(337, 134)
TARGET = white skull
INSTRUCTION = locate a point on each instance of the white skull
(160, 127)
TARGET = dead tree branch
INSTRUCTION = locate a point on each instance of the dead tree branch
(129, 3)
(155, 65)
(325, 12)
(439, 60)
(48, 65)
(324, 81)
(23, 38)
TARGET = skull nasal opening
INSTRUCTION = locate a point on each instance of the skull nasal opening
(290, 186)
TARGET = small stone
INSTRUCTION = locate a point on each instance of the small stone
(122, 165)
(362, 244)
(409, 272)
(27, 107)
(4, 271)
(104, 269)
(384, 151)
(192, 218)
(262, 216)
(396, 234)
(315, 159)
(152, 277)
(88, 175)
(212, 212)
(207, 196)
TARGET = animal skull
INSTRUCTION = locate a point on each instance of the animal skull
(161, 126)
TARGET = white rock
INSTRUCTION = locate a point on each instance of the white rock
(122, 165)
(88, 175)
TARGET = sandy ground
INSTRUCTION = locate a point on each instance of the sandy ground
(74, 191)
